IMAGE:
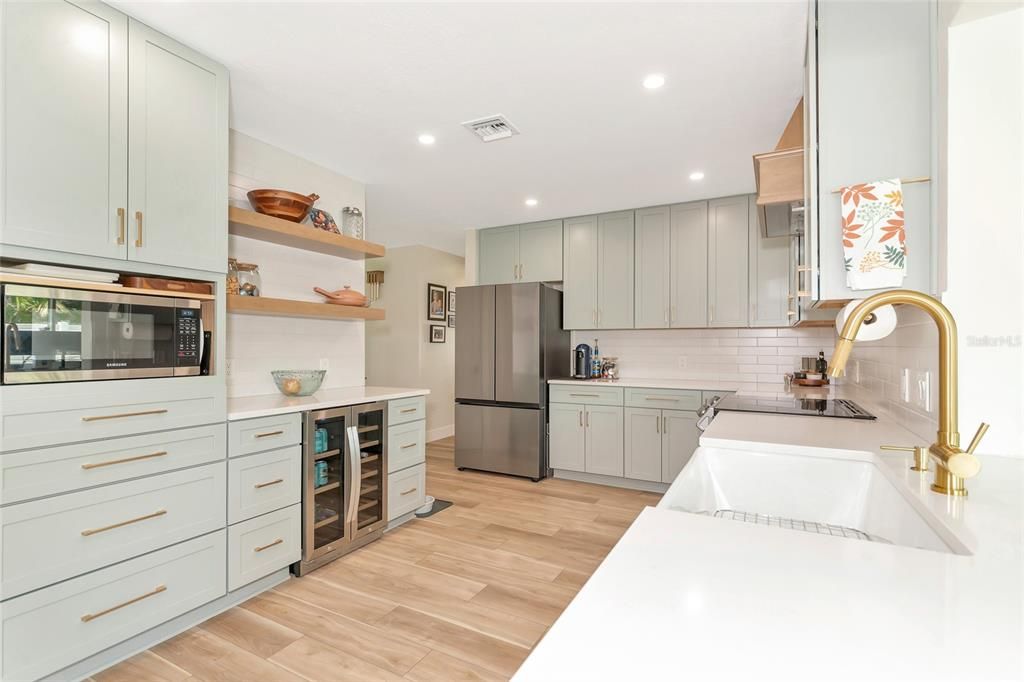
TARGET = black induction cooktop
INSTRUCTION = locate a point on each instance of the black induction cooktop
(839, 408)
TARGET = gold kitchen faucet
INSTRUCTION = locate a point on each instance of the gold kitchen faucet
(953, 464)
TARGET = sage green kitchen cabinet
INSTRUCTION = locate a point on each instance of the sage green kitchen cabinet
(540, 251)
(728, 221)
(652, 268)
(643, 444)
(679, 438)
(688, 265)
(499, 255)
(521, 253)
(604, 451)
(770, 275)
(178, 153)
(115, 139)
(615, 270)
(579, 273)
(65, 127)
(567, 441)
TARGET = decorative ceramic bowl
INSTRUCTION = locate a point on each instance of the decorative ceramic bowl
(298, 382)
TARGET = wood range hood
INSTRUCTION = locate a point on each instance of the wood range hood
(779, 176)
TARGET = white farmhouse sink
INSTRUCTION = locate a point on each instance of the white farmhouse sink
(825, 488)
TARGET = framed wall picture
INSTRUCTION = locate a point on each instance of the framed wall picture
(436, 297)
(451, 304)
(451, 321)
(437, 333)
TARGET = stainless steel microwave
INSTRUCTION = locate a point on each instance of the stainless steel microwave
(56, 334)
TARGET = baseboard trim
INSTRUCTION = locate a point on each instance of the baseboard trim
(614, 481)
(147, 640)
(440, 432)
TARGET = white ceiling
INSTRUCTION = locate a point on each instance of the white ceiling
(351, 86)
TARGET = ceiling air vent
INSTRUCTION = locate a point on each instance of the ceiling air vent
(491, 128)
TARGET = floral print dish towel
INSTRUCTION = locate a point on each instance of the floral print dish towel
(874, 240)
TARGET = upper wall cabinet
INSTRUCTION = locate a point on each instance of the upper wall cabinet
(858, 140)
(94, 171)
(728, 226)
(579, 271)
(521, 253)
(651, 268)
(688, 304)
(770, 275)
(598, 272)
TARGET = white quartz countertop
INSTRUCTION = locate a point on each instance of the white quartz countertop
(267, 405)
(681, 384)
(685, 596)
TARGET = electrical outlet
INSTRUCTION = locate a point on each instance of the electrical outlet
(856, 371)
(905, 385)
(681, 362)
(325, 363)
(229, 367)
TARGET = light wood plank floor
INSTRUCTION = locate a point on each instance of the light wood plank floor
(463, 595)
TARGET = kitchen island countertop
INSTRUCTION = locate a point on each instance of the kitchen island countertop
(248, 407)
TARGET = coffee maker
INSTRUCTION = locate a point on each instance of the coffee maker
(581, 362)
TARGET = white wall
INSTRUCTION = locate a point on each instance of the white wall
(981, 157)
(398, 350)
(756, 358)
(256, 344)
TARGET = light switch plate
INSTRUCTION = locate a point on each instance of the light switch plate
(905, 385)
(923, 389)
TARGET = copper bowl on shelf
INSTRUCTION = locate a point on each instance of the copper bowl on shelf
(344, 296)
(282, 204)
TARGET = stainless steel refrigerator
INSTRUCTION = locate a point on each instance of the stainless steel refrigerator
(508, 342)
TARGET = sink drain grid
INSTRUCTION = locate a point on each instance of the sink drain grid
(796, 524)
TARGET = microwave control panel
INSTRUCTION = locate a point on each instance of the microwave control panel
(186, 334)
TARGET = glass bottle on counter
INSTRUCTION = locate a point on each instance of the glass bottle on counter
(595, 363)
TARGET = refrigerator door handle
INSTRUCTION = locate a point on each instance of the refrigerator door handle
(355, 469)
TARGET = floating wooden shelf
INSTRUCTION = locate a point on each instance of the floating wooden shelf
(282, 307)
(266, 228)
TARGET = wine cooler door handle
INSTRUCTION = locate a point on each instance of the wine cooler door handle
(355, 469)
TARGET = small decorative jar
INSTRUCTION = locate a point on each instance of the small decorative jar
(232, 280)
(249, 282)
(352, 222)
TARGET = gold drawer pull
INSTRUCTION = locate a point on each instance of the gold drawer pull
(670, 400)
(123, 414)
(275, 542)
(93, 531)
(136, 458)
(138, 225)
(409, 491)
(268, 434)
(409, 445)
(274, 482)
(584, 395)
(120, 226)
(93, 616)
(408, 410)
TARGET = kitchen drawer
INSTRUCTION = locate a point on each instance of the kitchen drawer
(406, 410)
(48, 471)
(52, 628)
(663, 398)
(260, 546)
(261, 483)
(406, 490)
(407, 445)
(55, 414)
(60, 537)
(583, 394)
(264, 433)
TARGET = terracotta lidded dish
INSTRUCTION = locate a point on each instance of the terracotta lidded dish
(282, 204)
(344, 296)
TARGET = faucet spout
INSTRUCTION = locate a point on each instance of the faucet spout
(946, 448)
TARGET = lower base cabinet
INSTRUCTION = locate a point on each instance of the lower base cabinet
(586, 438)
(406, 491)
(679, 438)
(658, 443)
(49, 629)
(259, 546)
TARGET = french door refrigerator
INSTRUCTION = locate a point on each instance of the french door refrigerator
(344, 481)
(508, 342)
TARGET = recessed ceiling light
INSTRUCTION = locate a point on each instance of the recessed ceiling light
(697, 175)
(426, 138)
(531, 202)
(654, 81)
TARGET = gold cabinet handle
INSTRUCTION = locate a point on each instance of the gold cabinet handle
(120, 226)
(138, 228)
(268, 434)
(136, 458)
(584, 395)
(409, 445)
(101, 417)
(93, 616)
(408, 410)
(272, 544)
(409, 491)
(657, 424)
(93, 531)
(269, 483)
(588, 418)
(670, 400)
